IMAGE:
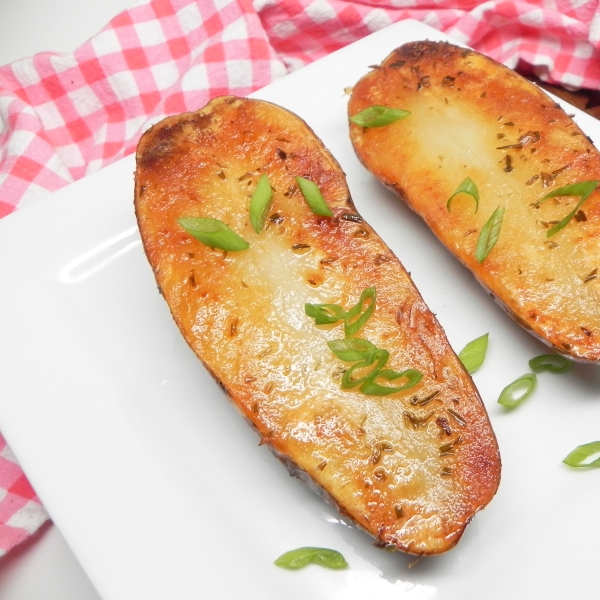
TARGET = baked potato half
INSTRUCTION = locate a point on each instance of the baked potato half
(370, 404)
(501, 174)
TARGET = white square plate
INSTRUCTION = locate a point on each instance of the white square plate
(160, 487)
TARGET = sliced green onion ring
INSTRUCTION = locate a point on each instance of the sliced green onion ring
(378, 116)
(324, 314)
(488, 236)
(314, 199)
(372, 388)
(300, 557)
(260, 203)
(550, 362)
(473, 354)
(583, 189)
(358, 315)
(518, 391)
(586, 455)
(466, 187)
(353, 349)
(379, 357)
(213, 233)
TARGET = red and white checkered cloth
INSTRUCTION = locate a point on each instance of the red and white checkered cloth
(63, 116)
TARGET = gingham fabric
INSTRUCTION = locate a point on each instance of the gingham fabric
(63, 116)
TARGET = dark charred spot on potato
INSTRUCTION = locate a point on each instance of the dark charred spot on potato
(351, 217)
(290, 191)
(192, 280)
(381, 258)
(397, 63)
(580, 216)
(301, 248)
(586, 331)
(444, 425)
(282, 155)
(591, 276)
(448, 81)
(221, 174)
(276, 218)
(508, 164)
(321, 465)
(531, 181)
(566, 346)
(246, 176)
(551, 245)
(361, 233)
(315, 280)
(424, 82)
(446, 472)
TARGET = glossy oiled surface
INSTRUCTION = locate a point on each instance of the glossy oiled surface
(471, 117)
(409, 470)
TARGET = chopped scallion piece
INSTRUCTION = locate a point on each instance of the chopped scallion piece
(586, 455)
(353, 349)
(379, 357)
(260, 203)
(372, 388)
(550, 362)
(213, 233)
(313, 197)
(378, 116)
(300, 557)
(466, 187)
(354, 319)
(358, 315)
(582, 189)
(473, 354)
(325, 314)
(517, 391)
(489, 234)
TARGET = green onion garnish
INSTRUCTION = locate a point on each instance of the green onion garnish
(368, 354)
(358, 315)
(586, 455)
(354, 319)
(372, 388)
(582, 189)
(260, 203)
(313, 197)
(466, 187)
(296, 559)
(488, 235)
(378, 116)
(473, 354)
(550, 362)
(325, 314)
(213, 233)
(353, 349)
(517, 391)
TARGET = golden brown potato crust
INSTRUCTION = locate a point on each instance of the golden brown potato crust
(411, 468)
(472, 117)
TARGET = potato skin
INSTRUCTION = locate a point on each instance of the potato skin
(472, 117)
(411, 468)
